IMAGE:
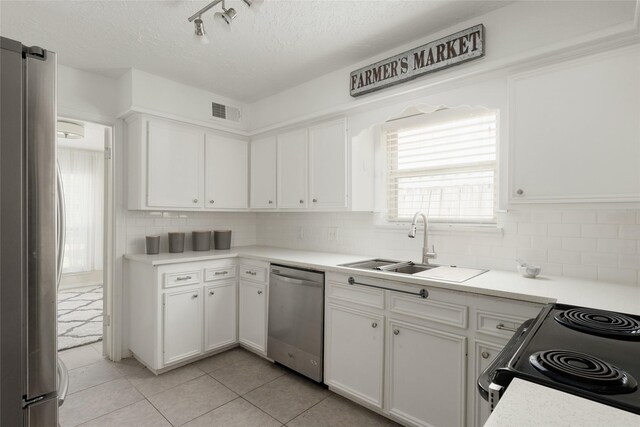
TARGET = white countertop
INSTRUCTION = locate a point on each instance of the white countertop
(526, 404)
(504, 284)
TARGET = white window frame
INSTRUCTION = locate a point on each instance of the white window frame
(416, 120)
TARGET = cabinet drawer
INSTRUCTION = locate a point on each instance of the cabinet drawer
(219, 273)
(182, 278)
(497, 324)
(254, 273)
(428, 309)
(337, 292)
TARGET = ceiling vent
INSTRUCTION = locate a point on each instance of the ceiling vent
(225, 112)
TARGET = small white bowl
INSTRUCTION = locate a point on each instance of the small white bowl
(530, 271)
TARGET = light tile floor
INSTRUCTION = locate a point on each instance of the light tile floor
(234, 388)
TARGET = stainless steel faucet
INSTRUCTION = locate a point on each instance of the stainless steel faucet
(426, 255)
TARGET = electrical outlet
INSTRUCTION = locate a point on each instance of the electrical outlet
(332, 234)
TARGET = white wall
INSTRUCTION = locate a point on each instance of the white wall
(86, 95)
(513, 33)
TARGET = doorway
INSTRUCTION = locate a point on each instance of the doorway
(83, 168)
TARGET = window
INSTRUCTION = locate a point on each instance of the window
(443, 163)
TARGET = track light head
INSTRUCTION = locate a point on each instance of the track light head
(248, 2)
(229, 15)
(200, 33)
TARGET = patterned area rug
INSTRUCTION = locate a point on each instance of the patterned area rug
(79, 316)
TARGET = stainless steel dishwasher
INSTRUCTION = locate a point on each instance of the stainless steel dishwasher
(296, 319)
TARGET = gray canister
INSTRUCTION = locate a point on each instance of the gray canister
(176, 242)
(222, 239)
(201, 240)
(152, 245)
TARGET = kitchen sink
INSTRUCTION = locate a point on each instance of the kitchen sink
(390, 266)
(372, 264)
(411, 268)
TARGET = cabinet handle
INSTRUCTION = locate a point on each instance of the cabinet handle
(315, 200)
(218, 273)
(195, 200)
(259, 292)
(211, 292)
(270, 202)
(181, 278)
(520, 192)
(374, 325)
(194, 296)
(485, 354)
(396, 331)
(211, 201)
(502, 327)
(250, 273)
(301, 201)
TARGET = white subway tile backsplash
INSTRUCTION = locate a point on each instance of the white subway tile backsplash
(600, 230)
(617, 246)
(628, 231)
(579, 217)
(565, 230)
(579, 244)
(617, 217)
(630, 261)
(571, 243)
(532, 229)
(564, 257)
(600, 259)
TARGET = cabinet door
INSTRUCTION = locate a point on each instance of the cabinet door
(220, 315)
(182, 324)
(574, 130)
(175, 165)
(292, 169)
(354, 349)
(253, 315)
(427, 375)
(227, 173)
(485, 352)
(263, 173)
(328, 165)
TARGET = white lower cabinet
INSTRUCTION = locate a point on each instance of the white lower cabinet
(354, 352)
(485, 353)
(220, 315)
(253, 315)
(427, 374)
(182, 311)
(182, 324)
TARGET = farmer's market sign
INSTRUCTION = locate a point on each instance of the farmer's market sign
(446, 52)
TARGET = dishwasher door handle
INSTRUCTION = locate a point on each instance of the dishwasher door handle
(293, 281)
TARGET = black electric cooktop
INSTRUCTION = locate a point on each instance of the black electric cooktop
(591, 353)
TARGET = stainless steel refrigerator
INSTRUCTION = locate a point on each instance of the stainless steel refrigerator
(33, 382)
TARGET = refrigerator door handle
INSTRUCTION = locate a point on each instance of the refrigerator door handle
(61, 229)
(63, 382)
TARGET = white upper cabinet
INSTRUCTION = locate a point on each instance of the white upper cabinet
(292, 167)
(226, 172)
(328, 165)
(263, 173)
(175, 169)
(574, 133)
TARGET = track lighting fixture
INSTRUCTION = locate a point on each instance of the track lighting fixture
(226, 16)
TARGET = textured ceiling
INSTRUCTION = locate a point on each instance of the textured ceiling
(279, 45)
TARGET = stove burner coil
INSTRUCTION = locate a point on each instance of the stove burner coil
(602, 323)
(583, 371)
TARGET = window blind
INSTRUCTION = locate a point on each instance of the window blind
(443, 164)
